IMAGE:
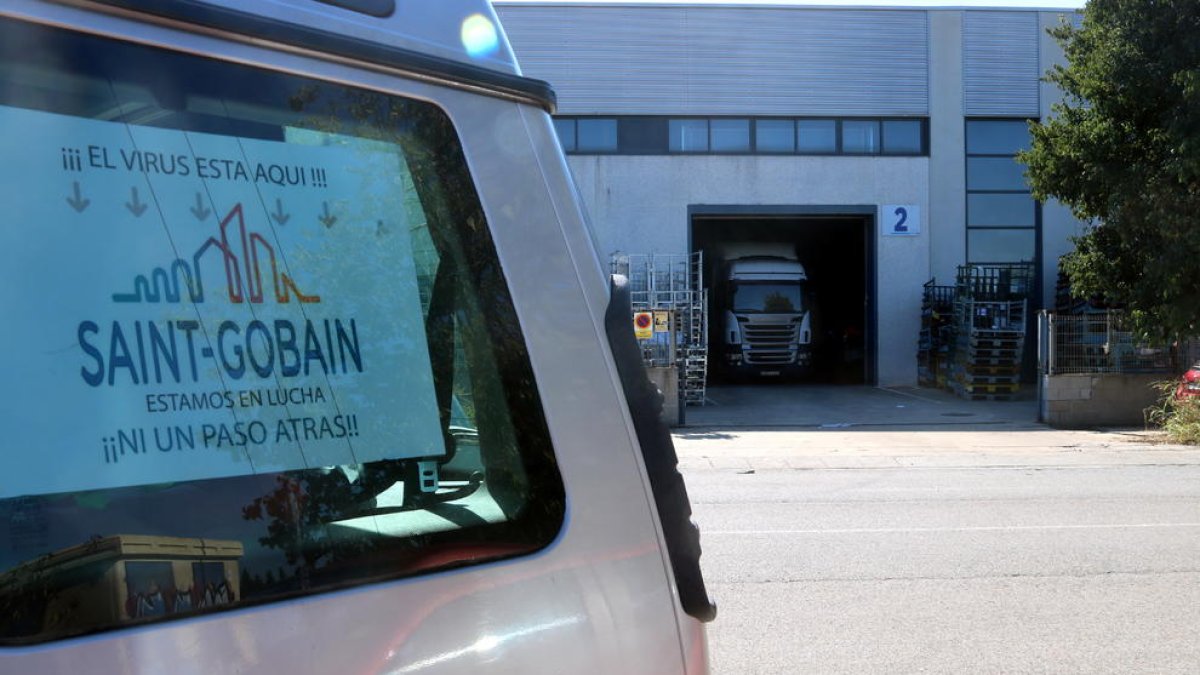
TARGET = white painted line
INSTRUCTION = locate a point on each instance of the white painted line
(917, 530)
(908, 394)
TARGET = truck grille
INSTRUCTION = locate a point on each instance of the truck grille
(769, 344)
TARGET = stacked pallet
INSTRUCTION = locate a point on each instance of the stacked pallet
(990, 317)
(989, 349)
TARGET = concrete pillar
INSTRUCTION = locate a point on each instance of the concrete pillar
(947, 146)
(667, 381)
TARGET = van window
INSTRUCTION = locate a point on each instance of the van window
(258, 342)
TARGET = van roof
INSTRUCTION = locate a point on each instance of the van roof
(458, 42)
(461, 30)
(1005, 5)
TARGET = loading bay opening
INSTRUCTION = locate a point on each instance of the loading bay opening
(790, 293)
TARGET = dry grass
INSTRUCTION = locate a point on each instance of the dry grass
(1179, 418)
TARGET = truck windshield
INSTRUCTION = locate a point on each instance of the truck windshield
(768, 298)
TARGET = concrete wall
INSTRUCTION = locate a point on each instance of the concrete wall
(1084, 401)
(639, 204)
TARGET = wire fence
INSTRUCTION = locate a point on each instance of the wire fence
(1103, 342)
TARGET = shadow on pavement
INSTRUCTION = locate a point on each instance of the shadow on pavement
(846, 408)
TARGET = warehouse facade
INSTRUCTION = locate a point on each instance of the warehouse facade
(878, 142)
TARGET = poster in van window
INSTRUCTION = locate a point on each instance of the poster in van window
(183, 305)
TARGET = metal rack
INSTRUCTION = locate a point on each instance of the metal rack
(936, 340)
(694, 369)
(995, 281)
(672, 283)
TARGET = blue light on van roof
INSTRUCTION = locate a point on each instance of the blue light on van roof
(479, 36)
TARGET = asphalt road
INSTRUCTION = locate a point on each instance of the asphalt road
(1076, 565)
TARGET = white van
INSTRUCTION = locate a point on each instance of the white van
(310, 364)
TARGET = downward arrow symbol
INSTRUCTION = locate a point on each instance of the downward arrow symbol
(327, 218)
(77, 201)
(135, 206)
(279, 216)
(199, 210)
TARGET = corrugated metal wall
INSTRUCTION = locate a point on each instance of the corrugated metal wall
(1000, 64)
(722, 60)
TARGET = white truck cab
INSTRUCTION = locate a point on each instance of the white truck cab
(312, 365)
(768, 325)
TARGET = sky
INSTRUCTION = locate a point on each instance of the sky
(1056, 4)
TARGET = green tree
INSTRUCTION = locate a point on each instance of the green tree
(1123, 152)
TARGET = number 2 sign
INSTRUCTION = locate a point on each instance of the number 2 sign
(901, 220)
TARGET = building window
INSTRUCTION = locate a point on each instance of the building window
(775, 136)
(997, 137)
(860, 137)
(565, 128)
(902, 137)
(1000, 210)
(642, 135)
(688, 136)
(816, 137)
(596, 134)
(730, 135)
(995, 173)
(1001, 246)
(1002, 215)
(657, 135)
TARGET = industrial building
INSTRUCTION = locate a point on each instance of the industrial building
(877, 142)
